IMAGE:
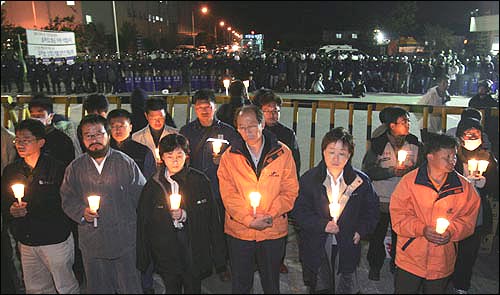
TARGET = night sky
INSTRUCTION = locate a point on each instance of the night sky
(279, 19)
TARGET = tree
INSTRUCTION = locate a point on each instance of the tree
(402, 20)
(438, 38)
(128, 37)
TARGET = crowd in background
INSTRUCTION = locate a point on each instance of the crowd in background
(296, 71)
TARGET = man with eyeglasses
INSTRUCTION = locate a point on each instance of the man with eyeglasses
(270, 104)
(391, 155)
(109, 245)
(426, 254)
(204, 156)
(258, 164)
(37, 220)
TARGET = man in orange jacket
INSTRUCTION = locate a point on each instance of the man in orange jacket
(258, 163)
(426, 258)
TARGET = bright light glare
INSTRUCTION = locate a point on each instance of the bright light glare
(379, 37)
(235, 47)
(204, 10)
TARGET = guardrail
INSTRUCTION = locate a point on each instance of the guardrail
(296, 104)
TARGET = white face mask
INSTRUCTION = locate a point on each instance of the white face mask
(472, 144)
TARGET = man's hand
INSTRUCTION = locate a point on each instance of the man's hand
(432, 236)
(18, 210)
(261, 221)
(332, 227)
(401, 170)
(356, 238)
(176, 214)
(89, 215)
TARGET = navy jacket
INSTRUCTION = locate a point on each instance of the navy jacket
(311, 212)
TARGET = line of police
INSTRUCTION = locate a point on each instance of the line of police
(282, 71)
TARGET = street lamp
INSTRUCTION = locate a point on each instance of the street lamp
(204, 10)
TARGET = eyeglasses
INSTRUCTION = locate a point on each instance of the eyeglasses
(97, 136)
(404, 121)
(20, 141)
(248, 128)
(273, 112)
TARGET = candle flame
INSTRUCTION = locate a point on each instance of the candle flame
(18, 190)
(441, 225)
(94, 203)
(175, 201)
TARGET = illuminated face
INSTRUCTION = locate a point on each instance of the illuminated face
(443, 160)
(174, 160)
(249, 128)
(205, 111)
(120, 128)
(401, 127)
(40, 114)
(27, 144)
(336, 155)
(95, 139)
(271, 113)
(156, 119)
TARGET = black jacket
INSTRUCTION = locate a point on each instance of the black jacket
(59, 146)
(45, 222)
(140, 153)
(311, 213)
(287, 136)
(157, 238)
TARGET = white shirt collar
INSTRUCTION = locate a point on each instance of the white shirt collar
(256, 158)
(100, 166)
(335, 186)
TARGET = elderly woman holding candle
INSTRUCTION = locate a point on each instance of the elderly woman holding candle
(480, 166)
(336, 207)
(426, 249)
(178, 226)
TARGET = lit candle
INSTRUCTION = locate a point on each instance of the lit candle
(246, 83)
(472, 166)
(226, 85)
(402, 156)
(175, 201)
(334, 210)
(216, 146)
(94, 205)
(18, 190)
(255, 201)
(441, 225)
(481, 166)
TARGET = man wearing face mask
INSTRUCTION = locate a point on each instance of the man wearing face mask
(469, 132)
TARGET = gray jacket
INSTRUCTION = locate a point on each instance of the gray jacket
(119, 186)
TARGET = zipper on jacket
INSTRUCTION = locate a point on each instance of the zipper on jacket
(407, 244)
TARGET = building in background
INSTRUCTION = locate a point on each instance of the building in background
(165, 23)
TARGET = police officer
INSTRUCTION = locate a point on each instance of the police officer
(111, 75)
(19, 74)
(100, 74)
(32, 75)
(66, 74)
(88, 74)
(41, 73)
(6, 74)
(78, 76)
(55, 79)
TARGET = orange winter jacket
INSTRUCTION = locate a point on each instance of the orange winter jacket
(416, 203)
(274, 178)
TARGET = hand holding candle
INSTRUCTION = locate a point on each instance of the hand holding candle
(18, 190)
(472, 166)
(94, 202)
(402, 157)
(175, 201)
(255, 201)
(226, 85)
(334, 210)
(482, 165)
(441, 225)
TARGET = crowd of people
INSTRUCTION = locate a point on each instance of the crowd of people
(295, 71)
(217, 194)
